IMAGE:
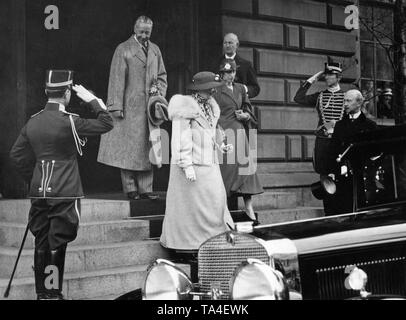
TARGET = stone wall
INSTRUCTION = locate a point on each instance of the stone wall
(288, 41)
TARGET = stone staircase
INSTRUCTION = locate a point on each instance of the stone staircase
(117, 240)
(109, 257)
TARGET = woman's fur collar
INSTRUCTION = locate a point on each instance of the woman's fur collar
(181, 106)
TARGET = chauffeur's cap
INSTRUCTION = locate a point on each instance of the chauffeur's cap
(58, 79)
(333, 68)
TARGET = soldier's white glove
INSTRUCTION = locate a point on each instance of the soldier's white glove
(330, 126)
(315, 77)
(87, 96)
(190, 174)
(83, 93)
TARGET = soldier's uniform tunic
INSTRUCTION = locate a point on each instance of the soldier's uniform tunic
(45, 154)
(330, 108)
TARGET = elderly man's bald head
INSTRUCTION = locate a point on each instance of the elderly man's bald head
(230, 44)
(353, 101)
(231, 36)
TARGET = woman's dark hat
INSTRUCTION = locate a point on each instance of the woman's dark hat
(228, 65)
(323, 188)
(205, 80)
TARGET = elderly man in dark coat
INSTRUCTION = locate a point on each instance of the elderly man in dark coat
(353, 122)
(246, 74)
(137, 66)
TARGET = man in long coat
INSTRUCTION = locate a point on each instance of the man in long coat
(137, 65)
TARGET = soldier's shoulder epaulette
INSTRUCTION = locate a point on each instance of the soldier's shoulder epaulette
(70, 114)
(37, 113)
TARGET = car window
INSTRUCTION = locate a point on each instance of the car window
(382, 178)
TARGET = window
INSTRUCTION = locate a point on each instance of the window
(377, 75)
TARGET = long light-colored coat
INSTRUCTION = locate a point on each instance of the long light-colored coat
(195, 211)
(127, 146)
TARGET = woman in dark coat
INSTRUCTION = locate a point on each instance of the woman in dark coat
(238, 168)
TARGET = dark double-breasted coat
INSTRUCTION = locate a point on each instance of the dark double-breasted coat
(342, 201)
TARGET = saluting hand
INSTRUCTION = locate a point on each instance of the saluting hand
(87, 95)
(83, 93)
(315, 77)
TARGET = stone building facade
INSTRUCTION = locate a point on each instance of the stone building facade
(286, 40)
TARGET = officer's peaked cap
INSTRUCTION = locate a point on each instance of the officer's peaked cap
(58, 79)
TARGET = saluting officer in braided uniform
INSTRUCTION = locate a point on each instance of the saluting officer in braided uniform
(330, 107)
(45, 154)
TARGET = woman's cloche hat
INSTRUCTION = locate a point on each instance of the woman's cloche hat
(228, 65)
(205, 80)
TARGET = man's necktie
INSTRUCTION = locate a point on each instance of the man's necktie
(145, 49)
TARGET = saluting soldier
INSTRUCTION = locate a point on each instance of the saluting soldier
(330, 107)
(45, 154)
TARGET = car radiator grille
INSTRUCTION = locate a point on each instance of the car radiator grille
(219, 257)
(323, 274)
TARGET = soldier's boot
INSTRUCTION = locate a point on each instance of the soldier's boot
(40, 260)
(57, 259)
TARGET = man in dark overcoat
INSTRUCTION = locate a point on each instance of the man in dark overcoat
(353, 123)
(246, 74)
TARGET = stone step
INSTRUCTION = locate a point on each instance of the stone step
(16, 211)
(87, 258)
(273, 200)
(285, 215)
(103, 298)
(282, 167)
(264, 217)
(287, 179)
(11, 234)
(84, 285)
(138, 207)
(111, 283)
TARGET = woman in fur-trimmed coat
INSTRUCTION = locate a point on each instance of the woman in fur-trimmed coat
(196, 202)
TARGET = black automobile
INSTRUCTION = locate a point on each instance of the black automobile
(359, 255)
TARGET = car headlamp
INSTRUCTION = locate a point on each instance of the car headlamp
(166, 281)
(255, 280)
